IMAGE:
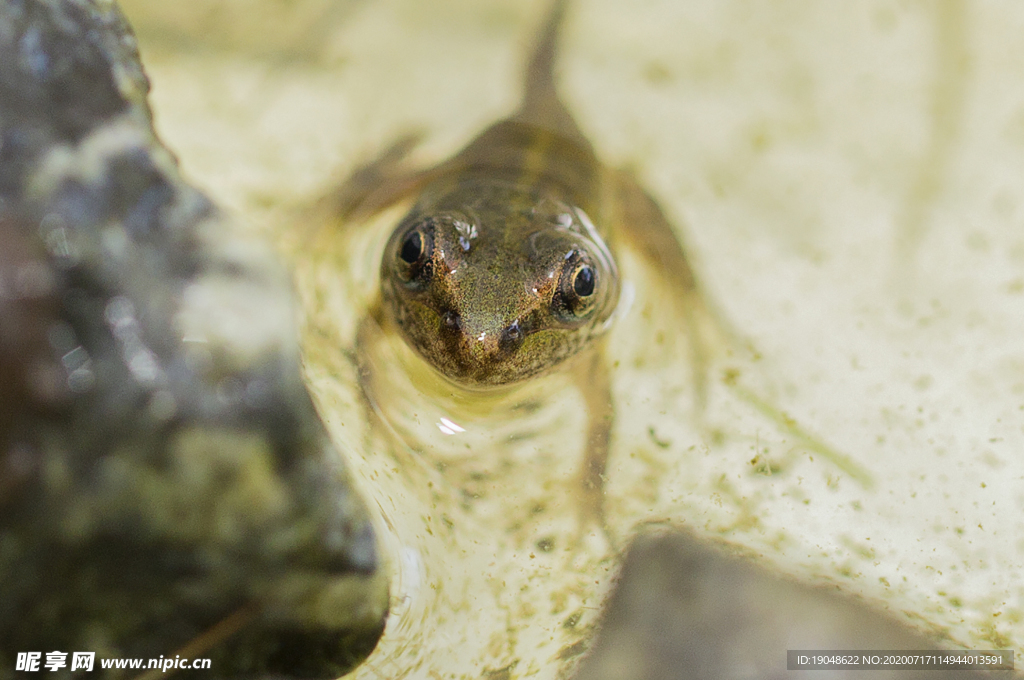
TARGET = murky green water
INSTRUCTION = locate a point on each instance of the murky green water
(848, 182)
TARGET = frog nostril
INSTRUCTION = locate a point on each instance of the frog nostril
(451, 321)
(511, 337)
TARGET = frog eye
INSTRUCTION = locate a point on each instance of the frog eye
(577, 288)
(413, 252)
(412, 247)
(584, 280)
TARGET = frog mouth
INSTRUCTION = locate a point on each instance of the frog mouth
(492, 359)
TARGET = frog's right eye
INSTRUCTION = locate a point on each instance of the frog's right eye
(412, 247)
(413, 253)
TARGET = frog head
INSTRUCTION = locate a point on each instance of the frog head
(493, 283)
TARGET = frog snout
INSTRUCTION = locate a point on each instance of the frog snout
(477, 347)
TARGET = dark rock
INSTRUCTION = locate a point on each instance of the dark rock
(164, 478)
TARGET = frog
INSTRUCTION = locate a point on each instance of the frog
(505, 269)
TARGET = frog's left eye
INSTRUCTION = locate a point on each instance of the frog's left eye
(577, 288)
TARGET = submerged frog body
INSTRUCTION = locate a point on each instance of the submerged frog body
(504, 268)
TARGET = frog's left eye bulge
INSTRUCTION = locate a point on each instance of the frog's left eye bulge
(584, 281)
(577, 288)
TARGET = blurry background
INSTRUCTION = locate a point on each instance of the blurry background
(848, 180)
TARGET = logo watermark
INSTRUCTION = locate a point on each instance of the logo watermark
(32, 662)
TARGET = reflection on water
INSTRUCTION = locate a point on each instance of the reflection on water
(789, 137)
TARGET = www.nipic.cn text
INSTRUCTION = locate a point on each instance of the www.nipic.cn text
(86, 661)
